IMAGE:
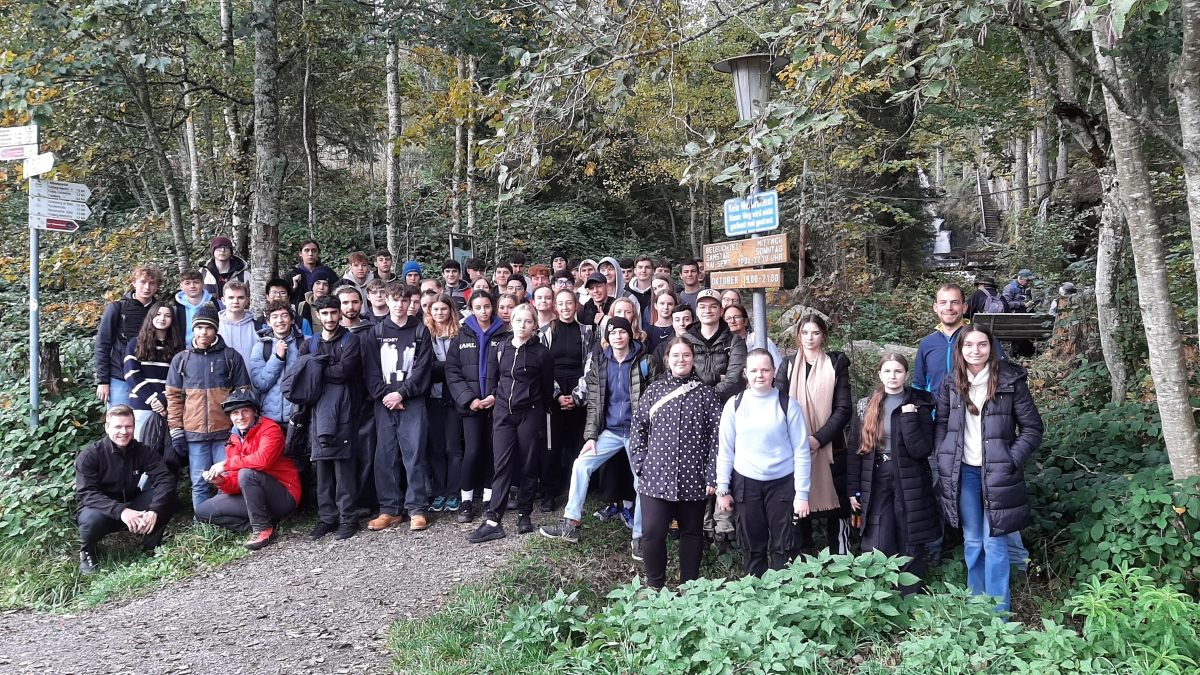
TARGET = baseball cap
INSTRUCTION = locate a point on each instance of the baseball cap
(708, 294)
(595, 278)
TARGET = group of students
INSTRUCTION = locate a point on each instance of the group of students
(518, 388)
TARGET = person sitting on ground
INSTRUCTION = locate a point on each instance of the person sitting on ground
(223, 267)
(614, 380)
(887, 472)
(190, 298)
(258, 485)
(763, 466)
(121, 484)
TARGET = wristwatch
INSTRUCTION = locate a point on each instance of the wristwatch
(722, 493)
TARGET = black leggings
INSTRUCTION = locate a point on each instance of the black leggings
(478, 467)
(657, 515)
(518, 458)
(566, 439)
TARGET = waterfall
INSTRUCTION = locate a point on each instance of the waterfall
(941, 242)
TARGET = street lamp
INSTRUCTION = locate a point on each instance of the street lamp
(752, 75)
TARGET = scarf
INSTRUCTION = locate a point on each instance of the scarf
(483, 337)
(973, 424)
(814, 392)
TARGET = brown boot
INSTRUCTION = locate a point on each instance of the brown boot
(417, 523)
(384, 521)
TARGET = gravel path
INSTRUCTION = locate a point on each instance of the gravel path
(296, 607)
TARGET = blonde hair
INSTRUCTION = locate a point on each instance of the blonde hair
(638, 333)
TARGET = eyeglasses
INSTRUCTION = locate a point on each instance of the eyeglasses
(735, 317)
(277, 294)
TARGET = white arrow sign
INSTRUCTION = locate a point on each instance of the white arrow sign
(56, 208)
(57, 189)
(39, 165)
(18, 152)
(26, 135)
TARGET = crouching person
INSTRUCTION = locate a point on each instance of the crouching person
(258, 485)
(121, 484)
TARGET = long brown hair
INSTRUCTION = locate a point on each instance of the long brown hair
(451, 326)
(872, 428)
(962, 376)
(147, 338)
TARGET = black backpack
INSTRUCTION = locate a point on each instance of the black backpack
(784, 399)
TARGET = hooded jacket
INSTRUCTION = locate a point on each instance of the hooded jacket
(348, 280)
(642, 298)
(397, 359)
(674, 450)
(306, 277)
(523, 377)
(1015, 296)
(724, 354)
(618, 283)
(119, 324)
(329, 424)
(198, 383)
(215, 280)
(261, 449)
(267, 369)
(107, 477)
(1011, 431)
(186, 311)
(467, 363)
(241, 336)
(594, 390)
(912, 444)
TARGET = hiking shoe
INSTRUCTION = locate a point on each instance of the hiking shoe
(452, 504)
(417, 523)
(565, 530)
(323, 528)
(547, 505)
(438, 504)
(722, 541)
(384, 521)
(87, 562)
(627, 516)
(608, 513)
(467, 512)
(635, 549)
(345, 531)
(524, 525)
(487, 532)
(260, 539)
(512, 503)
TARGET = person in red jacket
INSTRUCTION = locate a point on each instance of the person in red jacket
(258, 485)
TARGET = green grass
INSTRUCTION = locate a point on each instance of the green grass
(47, 578)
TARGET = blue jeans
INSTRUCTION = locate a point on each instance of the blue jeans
(986, 556)
(201, 456)
(581, 472)
(118, 392)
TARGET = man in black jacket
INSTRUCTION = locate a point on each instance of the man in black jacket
(121, 321)
(338, 351)
(398, 364)
(356, 320)
(121, 484)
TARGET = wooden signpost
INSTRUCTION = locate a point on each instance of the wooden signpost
(728, 255)
(768, 278)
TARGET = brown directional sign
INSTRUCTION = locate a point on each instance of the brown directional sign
(771, 278)
(731, 255)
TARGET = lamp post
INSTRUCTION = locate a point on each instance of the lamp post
(752, 75)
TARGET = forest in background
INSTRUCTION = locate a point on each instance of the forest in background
(601, 128)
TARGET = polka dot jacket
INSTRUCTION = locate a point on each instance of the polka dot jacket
(674, 453)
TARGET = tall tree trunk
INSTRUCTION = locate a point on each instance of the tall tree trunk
(938, 174)
(1167, 366)
(456, 215)
(1042, 152)
(471, 150)
(1061, 167)
(193, 156)
(1020, 173)
(310, 146)
(1108, 265)
(239, 164)
(393, 149)
(1186, 87)
(141, 89)
(692, 220)
(270, 162)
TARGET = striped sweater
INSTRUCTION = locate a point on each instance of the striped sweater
(146, 379)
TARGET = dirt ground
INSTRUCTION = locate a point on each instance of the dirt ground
(297, 607)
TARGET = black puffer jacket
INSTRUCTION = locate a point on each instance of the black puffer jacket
(724, 354)
(463, 360)
(1012, 430)
(912, 443)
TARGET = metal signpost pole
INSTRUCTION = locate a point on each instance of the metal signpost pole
(760, 294)
(34, 316)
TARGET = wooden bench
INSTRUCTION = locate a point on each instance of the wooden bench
(1007, 327)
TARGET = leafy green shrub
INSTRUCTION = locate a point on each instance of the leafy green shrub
(1134, 621)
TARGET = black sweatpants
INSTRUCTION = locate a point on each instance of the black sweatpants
(566, 440)
(763, 511)
(657, 515)
(478, 465)
(363, 441)
(444, 449)
(337, 488)
(515, 440)
(262, 502)
(94, 525)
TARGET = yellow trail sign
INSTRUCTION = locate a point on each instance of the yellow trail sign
(730, 255)
(769, 278)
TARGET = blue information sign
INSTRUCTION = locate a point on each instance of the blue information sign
(759, 213)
